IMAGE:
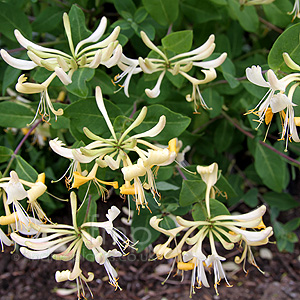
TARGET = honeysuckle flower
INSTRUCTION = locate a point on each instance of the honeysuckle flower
(6, 220)
(246, 229)
(107, 52)
(129, 67)
(74, 237)
(91, 177)
(113, 153)
(179, 64)
(209, 175)
(296, 10)
(274, 102)
(45, 104)
(14, 192)
(255, 2)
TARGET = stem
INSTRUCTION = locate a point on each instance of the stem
(181, 173)
(13, 156)
(87, 208)
(250, 135)
(270, 25)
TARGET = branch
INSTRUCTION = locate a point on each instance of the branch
(250, 135)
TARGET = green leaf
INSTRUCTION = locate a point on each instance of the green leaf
(140, 15)
(178, 42)
(104, 81)
(11, 18)
(228, 70)
(217, 208)
(199, 14)
(282, 201)
(213, 100)
(165, 186)
(80, 78)
(10, 77)
(223, 136)
(125, 7)
(164, 12)
(175, 123)
(225, 187)
(24, 170)
(48, 19)
(270, 167)
(192, 191)
(91, 216)
(288, 42)
(78, 28)
(5, 154)
(250, 198)
(247, 17)
(276, 12)
(14, 115)
(85, 113)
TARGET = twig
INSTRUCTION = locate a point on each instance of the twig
(13, 156)
(270, 25)
(250, 135)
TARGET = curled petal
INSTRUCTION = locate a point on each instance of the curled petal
(63, 76)
(153, 131)
(95, 36)
(156, 90)
(17, 63)
(254, 75)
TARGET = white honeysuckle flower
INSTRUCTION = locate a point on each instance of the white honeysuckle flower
(129, 67)
(15, 191)
(255, 2)
(245, 229)
(113, 152)
(102, 258)
(117, 235)
(72, 237)
(107, 52)
(209, 175)
(195, 257)
(45, 104)
(17, 63)
(181, 64)
(274, 102)
(80, 57)
(296, 10)
(4, 240)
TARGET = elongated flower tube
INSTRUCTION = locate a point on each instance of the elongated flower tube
(179, 64)
(274, 102)
(210, 176)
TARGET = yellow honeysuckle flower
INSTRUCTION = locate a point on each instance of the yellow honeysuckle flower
(79, 180)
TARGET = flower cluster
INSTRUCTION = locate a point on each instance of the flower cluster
(114, 153)
(276, 101)
(63, 65)
(245, 229)
(72, 238)
(179, 64)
